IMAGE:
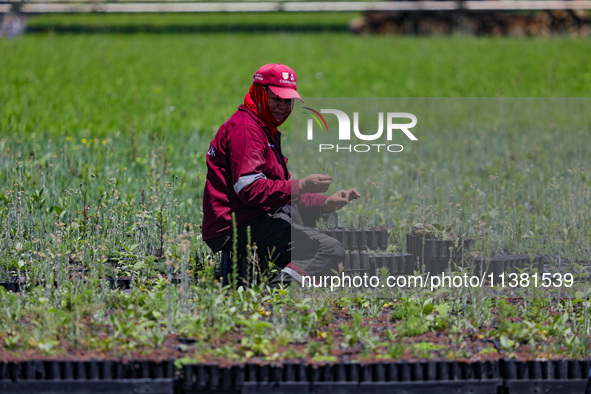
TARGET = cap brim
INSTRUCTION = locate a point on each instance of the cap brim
(285, 93)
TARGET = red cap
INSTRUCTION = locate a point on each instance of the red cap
(280, 79)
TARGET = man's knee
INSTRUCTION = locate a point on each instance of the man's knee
(334, 248)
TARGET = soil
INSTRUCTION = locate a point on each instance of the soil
(469, 348)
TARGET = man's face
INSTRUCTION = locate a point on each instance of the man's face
(281, 108)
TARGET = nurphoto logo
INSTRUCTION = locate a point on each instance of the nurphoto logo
(395, 128)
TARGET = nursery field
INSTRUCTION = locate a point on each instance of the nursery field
(103, 140)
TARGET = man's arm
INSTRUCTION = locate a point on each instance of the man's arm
(247, 164)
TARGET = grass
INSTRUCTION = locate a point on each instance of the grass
(222, 21)
(65, 84)
(102, 157)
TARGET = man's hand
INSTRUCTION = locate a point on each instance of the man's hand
(315, 183)
(340, 199)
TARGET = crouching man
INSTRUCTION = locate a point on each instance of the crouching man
(247, 176)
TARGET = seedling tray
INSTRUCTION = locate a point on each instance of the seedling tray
(564, 376)
(85, 370)
(370, 263)
(433, 377)
(431, 248)
(507, 264)
(44, 377)
(342, 377)
(358, 239)
(147, 386)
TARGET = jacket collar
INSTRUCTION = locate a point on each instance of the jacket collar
(254, 116)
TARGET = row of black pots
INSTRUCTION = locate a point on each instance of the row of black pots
(72, 386)
(436, 266)
(508, 264)
(429, 248)
(484, 266)
(506, 376)
(370, 263)
(214, 375)
(114, 283)
(204, 376)
(86, 370)
(360, 239)
(545, 369)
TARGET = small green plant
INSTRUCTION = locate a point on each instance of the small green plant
(434, 230)
(393, 351)
(255, 341)
(416, 317)
(356, 333)
(426, 349)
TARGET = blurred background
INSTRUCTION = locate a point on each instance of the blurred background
(488, 17)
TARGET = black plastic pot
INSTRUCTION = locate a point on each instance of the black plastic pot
(354, 260)
(376, 239)
(382, 236)
(351, 240)
(119, 283)
(375, 262)
(364, 260)
(340, 234)
(498, 267)
(361, 237)
(372, 240)
(408, 261)
(395, 264)
(11, 286)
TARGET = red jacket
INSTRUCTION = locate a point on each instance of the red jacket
(247, 174)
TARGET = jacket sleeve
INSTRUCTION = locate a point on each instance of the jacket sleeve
(310, 207)
(247, 148)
